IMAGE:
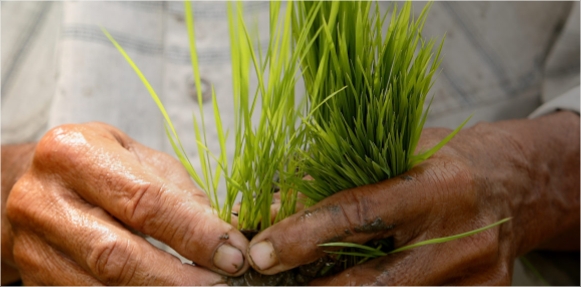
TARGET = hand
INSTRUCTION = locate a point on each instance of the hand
(524, 169)
(88, 185)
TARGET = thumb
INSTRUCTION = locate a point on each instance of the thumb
(355, 215)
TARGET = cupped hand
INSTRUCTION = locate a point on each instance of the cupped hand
(526, 169)
(88, 187)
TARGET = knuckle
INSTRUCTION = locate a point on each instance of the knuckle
(21, 203)
(15, 209)
(457, 173)
(353, 210)
(141, 199)
(151, 208)
(461, 175)
(112, 133)
(112, 260)
(59, 145)
(366, 210)
(453, 180)
(101, 126)
(143, 205)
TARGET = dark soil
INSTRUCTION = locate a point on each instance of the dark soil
(249, 234)
(301, 275)
(304, 274)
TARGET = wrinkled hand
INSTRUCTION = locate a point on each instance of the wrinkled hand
(527, 170)
(88, 185)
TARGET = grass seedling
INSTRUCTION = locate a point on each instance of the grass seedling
(360, 124)
(264, 150)
(368, 131)
(202, 180)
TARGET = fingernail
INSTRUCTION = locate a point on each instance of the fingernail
(228, 258)
(263, 255)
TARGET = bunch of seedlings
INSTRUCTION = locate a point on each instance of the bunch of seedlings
(359, 122)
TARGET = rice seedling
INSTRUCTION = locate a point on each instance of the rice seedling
(368, 131)
(360, 122)
(263, 150)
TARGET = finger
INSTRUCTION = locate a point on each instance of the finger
(40, 264)
(107, 251)
(118, 257)
(356, 215)
(106, 174)
(398, 207)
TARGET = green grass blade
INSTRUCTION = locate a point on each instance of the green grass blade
(357, 254)
(359, 250)
(425, 155)
(351, 245)
(193, 55)
(143, 79)
(170, 130)
(449, 238)
(184, 160)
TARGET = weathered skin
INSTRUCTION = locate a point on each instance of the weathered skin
(524, 169)
(77, 198)
(70, 202)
